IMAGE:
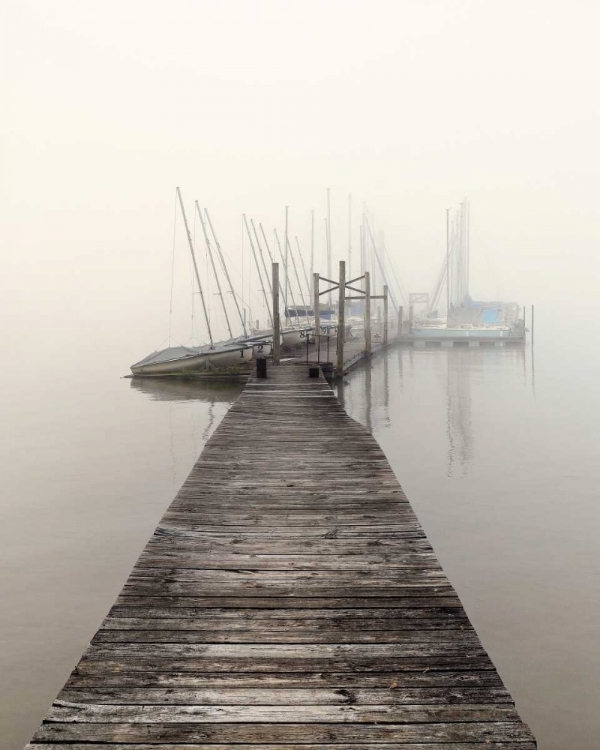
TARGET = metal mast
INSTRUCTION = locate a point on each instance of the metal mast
(191, 244)
(350, 235)
(214, 268)
(262, 231)
(447, 263)
(281, 255)
(312, 253)
(262, 286)
(285, 261)
(297, 277)
(329, 240)
(226, 272)
(262, 258)
(303, 266)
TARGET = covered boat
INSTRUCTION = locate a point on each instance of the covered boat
(186, 360)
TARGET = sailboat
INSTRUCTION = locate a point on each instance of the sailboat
(188, 360)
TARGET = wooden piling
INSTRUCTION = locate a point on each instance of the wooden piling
(317, 313)
(385, 316)
(367, 318)
(275, 316)
(341, 328)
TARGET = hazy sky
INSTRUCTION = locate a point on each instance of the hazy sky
(251, 106)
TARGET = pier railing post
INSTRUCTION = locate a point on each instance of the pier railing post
(385, 316)
(317, 314)
(276, 323)
(341, 328)
(367, 313)
(400, 320)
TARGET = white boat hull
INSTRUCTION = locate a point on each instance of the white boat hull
(261, 349)
(295, 336)
(204, 360)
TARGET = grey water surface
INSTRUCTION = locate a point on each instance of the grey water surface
(496, 449)
(498, 452)
(90, 463)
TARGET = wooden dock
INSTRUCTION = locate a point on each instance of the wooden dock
(288, 599)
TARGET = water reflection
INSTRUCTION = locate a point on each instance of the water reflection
(459, 427)
(180, 389)
(194, 394)
(451, 377)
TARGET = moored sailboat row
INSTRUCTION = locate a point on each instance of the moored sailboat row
(237, 352)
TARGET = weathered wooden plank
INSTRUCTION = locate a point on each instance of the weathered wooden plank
(298, 579)
(166, 558)
(282, 636)
(486, 745)
(370, 531)
(274, 714)
(296, 627)
(104, 664)
(191, 618)
(462, 644)
(348, 680)
(405, 600)
(286, 697)
(256, 733)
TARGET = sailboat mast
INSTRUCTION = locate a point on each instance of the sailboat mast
(291, 291)
(264, 236)
(467, 242)
(191, 244)
(312, 254)
(285, 261)
(297, 276)
(447, 262)
(226, 272)
(262, 258)
(262, 286)
(303, 266)
(214, 268)
(329, 240)
(349, 235)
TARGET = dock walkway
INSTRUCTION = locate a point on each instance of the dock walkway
(288, 599)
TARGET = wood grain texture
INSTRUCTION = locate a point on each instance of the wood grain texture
(288, 598)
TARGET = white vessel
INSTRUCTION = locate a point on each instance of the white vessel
(187, 360)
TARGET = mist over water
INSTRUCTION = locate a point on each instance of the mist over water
(496, 451)
(251, 107)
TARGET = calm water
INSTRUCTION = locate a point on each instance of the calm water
(502, 468)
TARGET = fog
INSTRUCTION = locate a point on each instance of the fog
(249, 107)
(409, 106)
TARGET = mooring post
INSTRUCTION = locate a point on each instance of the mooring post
(261, 368)
(276, 324)
(532, 324)
(341, 319)
(385, 316)
(367, 313)
(400, 321)
(317, 314)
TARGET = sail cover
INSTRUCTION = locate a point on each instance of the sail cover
(168, 355)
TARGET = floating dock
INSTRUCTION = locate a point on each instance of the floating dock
(289, 598)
